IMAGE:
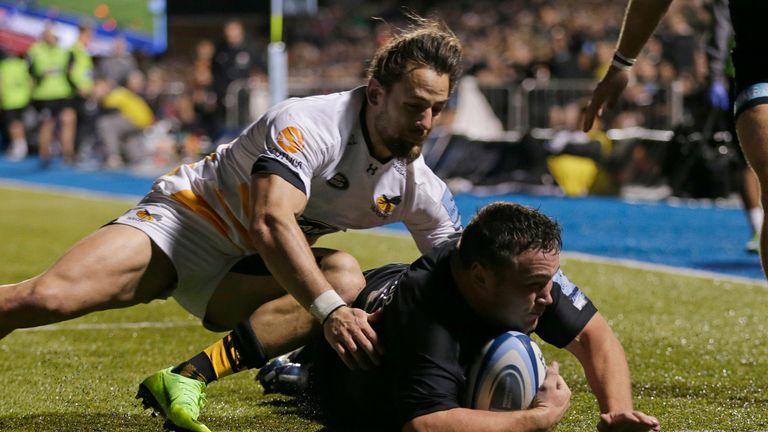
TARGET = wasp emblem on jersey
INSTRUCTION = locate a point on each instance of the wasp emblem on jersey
(386, 205)
(291, 140)
(147, 216)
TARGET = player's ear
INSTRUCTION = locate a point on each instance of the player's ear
(478, 275)
(375, 91)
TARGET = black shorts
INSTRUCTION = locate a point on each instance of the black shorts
(327, 373)
(750, 54)
(9, 116)
(380, 284)
(52, 108)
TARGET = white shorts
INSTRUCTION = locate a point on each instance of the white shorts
(202, 256)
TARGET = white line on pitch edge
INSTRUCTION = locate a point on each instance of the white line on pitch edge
(113, 326)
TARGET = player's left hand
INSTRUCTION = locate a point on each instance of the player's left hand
(628, 421)
(605, 95)
(350, 334)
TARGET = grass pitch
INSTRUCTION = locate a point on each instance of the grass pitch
(697, 347)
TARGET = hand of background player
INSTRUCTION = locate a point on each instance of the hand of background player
(605, 95)
(554, 396)
(631, 421)
(349, 332)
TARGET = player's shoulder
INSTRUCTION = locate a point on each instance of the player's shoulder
(323, 117)
(321, 110)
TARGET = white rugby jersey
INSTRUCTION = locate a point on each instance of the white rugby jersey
(319, 144)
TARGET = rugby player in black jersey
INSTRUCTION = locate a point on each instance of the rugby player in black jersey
(435, 315)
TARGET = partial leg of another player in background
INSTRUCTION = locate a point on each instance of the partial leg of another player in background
(752, 128)
(750, 196)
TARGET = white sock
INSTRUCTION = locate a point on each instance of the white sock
(756, 216)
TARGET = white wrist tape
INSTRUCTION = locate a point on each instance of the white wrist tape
(325, 304)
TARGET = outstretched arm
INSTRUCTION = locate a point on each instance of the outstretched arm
(549, 406)
(281, 243)
(605, 366)
(640, 20)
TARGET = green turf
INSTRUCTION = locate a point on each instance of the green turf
(697, 347)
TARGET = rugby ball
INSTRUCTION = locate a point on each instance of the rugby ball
(506, 375)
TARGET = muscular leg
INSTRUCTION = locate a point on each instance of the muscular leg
(283, 325)
(266, 321)
(752, 127)
(115, 267)
(280, 323)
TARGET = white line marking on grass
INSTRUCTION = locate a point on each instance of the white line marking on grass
(113, 326)
(663, 268)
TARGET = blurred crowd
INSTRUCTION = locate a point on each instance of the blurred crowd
(110, 112)
(160, 111)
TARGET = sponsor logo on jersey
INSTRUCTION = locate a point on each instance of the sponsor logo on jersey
(291, 140)
(400, 166)
(385, 205)
(338, 181)
(143, 215)
(277, 153)
(570, 290)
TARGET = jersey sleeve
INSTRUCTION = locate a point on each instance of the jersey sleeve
(568, 314)
(294, 148)
(437, 218)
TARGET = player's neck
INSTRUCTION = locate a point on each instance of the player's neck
(376, 147)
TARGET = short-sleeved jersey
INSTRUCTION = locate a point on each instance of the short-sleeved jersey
(318, 144)
(430, 336)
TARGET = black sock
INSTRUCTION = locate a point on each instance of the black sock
(198, 367)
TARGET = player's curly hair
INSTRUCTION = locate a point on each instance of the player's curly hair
(502, 230)
(425, 42)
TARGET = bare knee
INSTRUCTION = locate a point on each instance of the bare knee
(343, 273)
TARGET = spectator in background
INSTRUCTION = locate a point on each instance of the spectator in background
(15, 92)
(234, 59)
(564, 62)
(203, 95)
(124, 117)
(52, 96)
(119, 64)
(81, 64)
(81, 72)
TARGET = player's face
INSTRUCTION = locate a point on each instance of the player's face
(408, 109)
(518, 295)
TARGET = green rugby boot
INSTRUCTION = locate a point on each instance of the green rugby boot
(753, 245)
(177, 398)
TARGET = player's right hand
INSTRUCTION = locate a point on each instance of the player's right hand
(605, 95)
(350, 334)
(554, 395)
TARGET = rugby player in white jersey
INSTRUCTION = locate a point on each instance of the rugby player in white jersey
(308, 167)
